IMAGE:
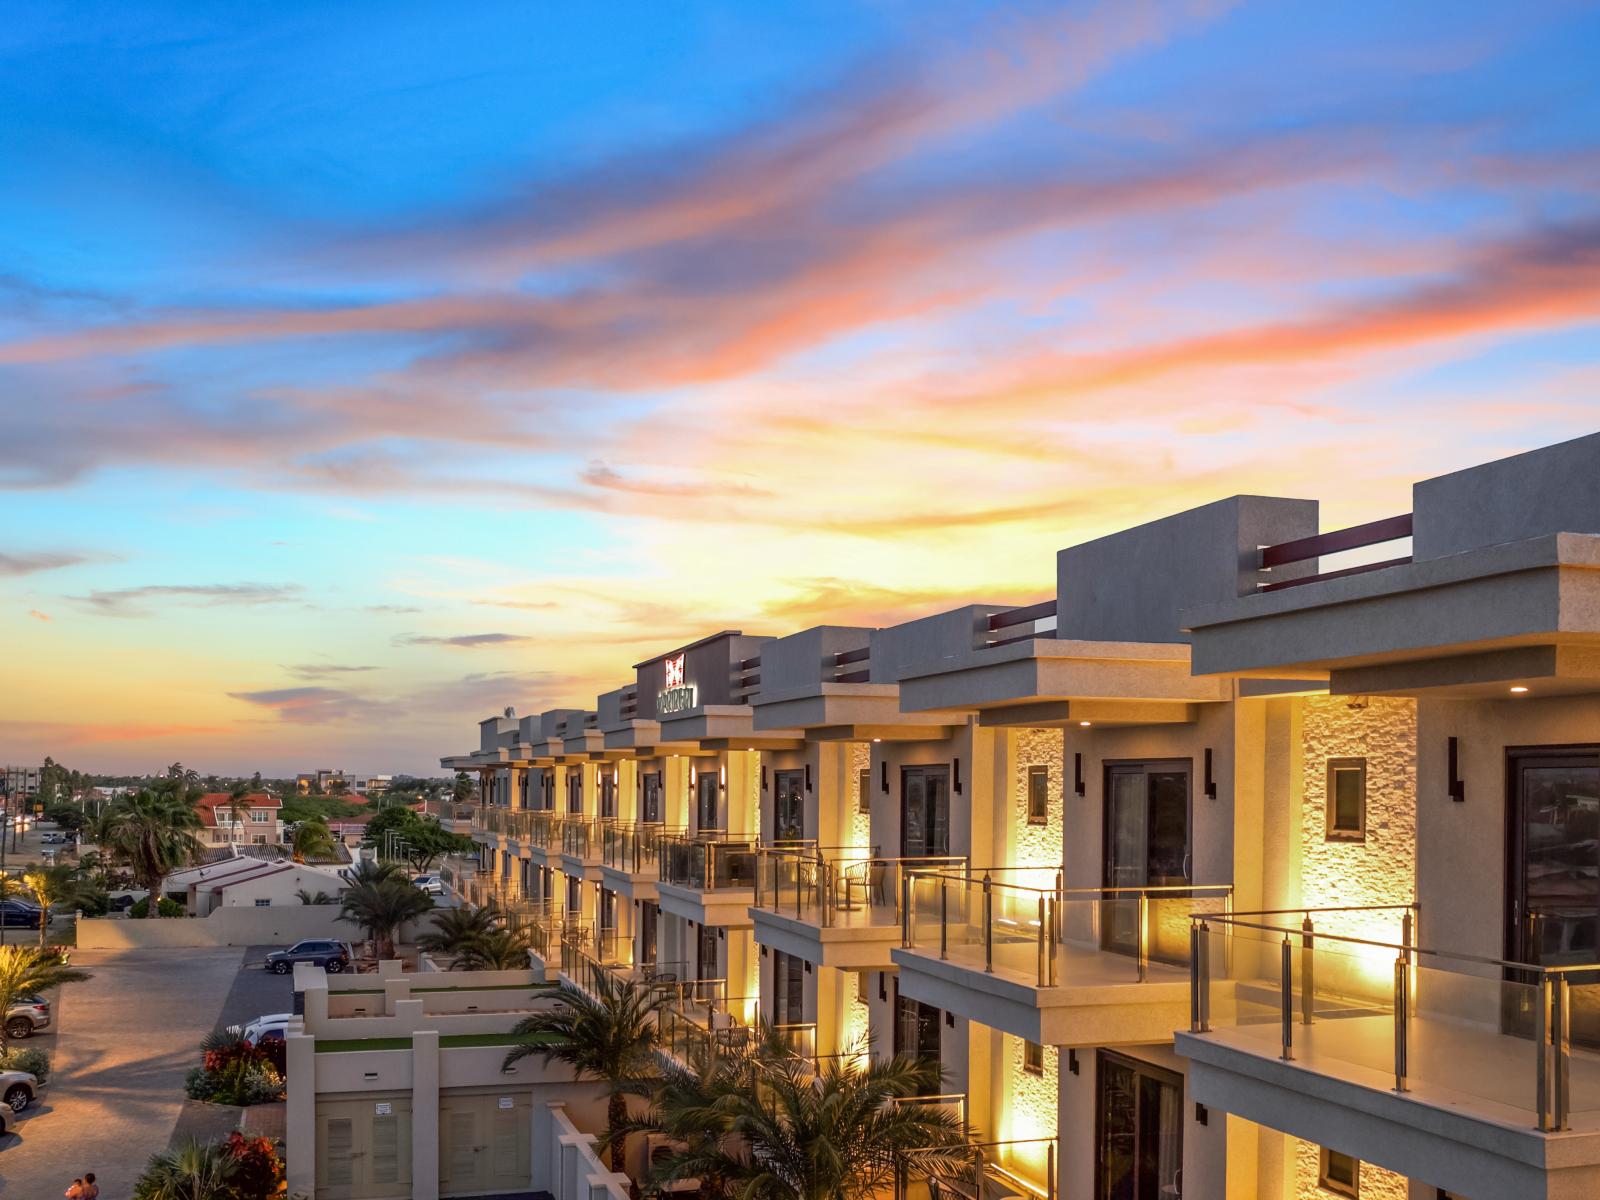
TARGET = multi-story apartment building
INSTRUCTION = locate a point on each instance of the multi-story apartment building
(1259, 862)
(250, 820)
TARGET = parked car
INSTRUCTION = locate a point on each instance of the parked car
(431, 884)
(19, 1089)
(20, 913)
(267, 1027)
(28, 1015)
(123, 902)
(53, 839)
(332, 957)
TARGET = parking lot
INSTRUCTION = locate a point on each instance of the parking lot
(122, 1043)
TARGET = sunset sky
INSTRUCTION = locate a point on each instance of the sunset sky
(365, 368)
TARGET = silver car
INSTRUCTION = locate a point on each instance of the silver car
(19, 1089)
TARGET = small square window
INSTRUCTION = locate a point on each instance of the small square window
(864, 797)
(263, 903)
(1033, 1058)
(1347, 799)
(1339, 1173)
(1038, 795)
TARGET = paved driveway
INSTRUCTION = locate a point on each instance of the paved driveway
(126, 1038)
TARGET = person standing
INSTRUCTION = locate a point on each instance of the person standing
(91, 1189)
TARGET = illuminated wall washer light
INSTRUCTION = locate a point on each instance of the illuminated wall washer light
(1518, 690)
(1086, 724)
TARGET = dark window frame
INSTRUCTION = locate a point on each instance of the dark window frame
(1032, 1058)
(1337, 1186)
(864, 799)
(1332, 830)
(1038, 795)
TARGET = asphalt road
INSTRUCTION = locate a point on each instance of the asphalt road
(123, 1042)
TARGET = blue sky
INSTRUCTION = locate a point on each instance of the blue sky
(367, 367)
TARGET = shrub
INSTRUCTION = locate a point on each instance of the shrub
(259, 1168)
(34, 1061)
(92, 901)
(165, 908)
(239, 1083)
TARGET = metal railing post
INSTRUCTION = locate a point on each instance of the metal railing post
(1044, 938)
(1562, 1037)
(1402, 1010)
(1308, 971)
(1144, 936)
(988, 923)
(905, 910)
(1407, 936)
(1055, 944)
(1287, 999)
(1195, 980)
(944, 917)
(1050, 1172)
(1541, 1045)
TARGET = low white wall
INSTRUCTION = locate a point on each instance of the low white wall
(276, 925)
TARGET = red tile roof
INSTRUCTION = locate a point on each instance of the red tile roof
(215, 800)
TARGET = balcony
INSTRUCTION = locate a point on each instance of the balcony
(1019, 1169)
(1057, 966)
(834, 906)
(1477, 1075)
(582, 840)
(630, 856)
(708, 879)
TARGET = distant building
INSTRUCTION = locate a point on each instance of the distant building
(327, 780)
(259, 824)
(18, 784)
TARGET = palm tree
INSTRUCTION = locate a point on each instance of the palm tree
(192, 1171)
(771, 1125)
(497, 950)
(455, 928)
(609, 1036)
(27, 971)
(238, 806)
(321, 897)
(50, 886)
(369, 870)
(312, 839)
(153, 832)
(382, 908)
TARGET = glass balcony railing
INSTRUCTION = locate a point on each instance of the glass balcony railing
(583, 837)
(708, 864)
(1044, 934)
(635, 847)
(1348, 988)
(1024, 1167)
(839, 885)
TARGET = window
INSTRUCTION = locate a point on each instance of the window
(864, 796)
(1347, 799)
(260, 815)
(789, 808)
(1033, 1058)
(1339, 1173)
(263, 903)
(260, 839)
(789, 989)
(1038, 795)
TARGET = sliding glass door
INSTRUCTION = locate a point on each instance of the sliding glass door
(924, 811)
(1139, 1134)
(1146, 844)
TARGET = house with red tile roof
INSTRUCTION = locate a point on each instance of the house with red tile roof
(253, 820)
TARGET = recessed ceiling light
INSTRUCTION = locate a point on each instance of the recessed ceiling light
(877, 739)
(1086, 724)
(1518, 690)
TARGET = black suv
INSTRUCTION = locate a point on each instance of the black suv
(332, 957)
(20, 913)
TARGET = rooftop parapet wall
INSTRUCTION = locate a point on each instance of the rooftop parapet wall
(554, 722)
(1555, 489)
(496, 732)
(609, 706)
(1132, 586)
(901, 649)
(802, 661)
(707, 668)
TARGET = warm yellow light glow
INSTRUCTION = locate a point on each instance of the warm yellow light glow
(1518, 690)
(1086, 724)
(877, 739)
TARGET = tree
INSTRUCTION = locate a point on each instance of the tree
(464, 789)
(771, 1125)
(238, 804)
(50, 886)
(382, 908)
(27, 971)
(152, 831)
(497, 950)
(454, 929)
(609, 1037)
(321, 897)
(338, 786)
(191, 1171)
(312, 839)
(426, 840)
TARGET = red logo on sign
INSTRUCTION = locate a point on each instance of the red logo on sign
(675, 671)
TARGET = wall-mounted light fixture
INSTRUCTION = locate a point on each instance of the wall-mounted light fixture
(808, 777)
(694, 775)
(722, 777)
(1072, 1061)
(1458, 786)
(1077, 774)
(885, 767)
(957, 765)
(1211, 783)
(763, 777)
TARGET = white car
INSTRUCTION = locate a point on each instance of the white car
(267, 1027)
(431, 884)
(19, 1089)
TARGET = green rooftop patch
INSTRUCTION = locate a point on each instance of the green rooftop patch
(345, 1045)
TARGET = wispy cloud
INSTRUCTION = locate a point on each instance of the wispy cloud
(326, 670)
(143, 601)
(464, 641)
(37, 615)
(312, 705)
(34, 562)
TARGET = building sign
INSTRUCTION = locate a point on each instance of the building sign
(677, 696)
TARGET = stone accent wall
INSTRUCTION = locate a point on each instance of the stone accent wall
(1037, 845)
(1376, 1183)
(1029, 1105)
(856, 1027)
(1381, 869)
(859, 759)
